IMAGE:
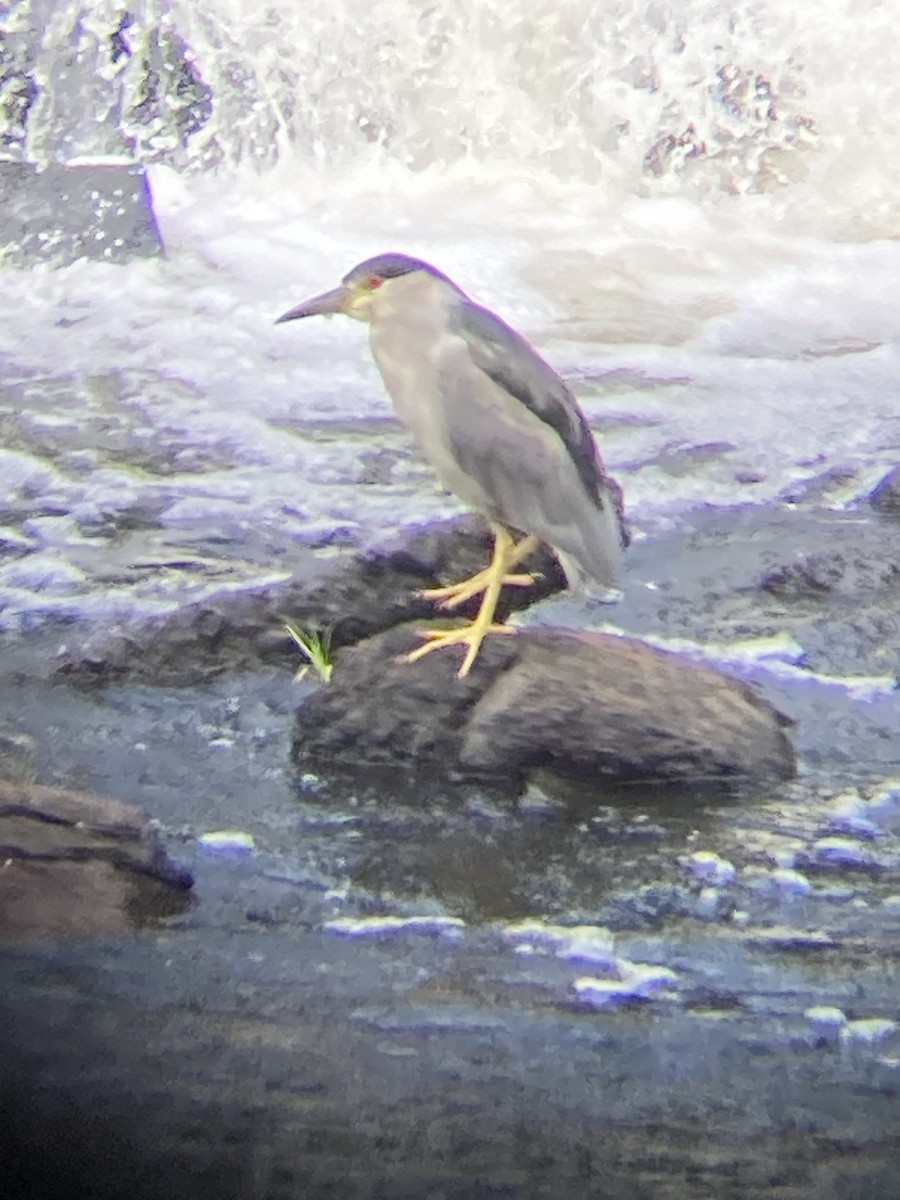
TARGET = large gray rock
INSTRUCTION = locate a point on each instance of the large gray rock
(589, 706)
(78, 79)
(78, 865)
(354, 596)
(57, 214)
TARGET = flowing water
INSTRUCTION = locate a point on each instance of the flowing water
(691, 208)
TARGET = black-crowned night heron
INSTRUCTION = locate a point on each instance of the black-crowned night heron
(496, 422)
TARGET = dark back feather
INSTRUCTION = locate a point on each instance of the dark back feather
(514, 365)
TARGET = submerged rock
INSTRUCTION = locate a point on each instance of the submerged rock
(78, 865)
(812, 576)
(592, 707)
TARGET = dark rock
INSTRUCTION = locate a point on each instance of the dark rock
(589, 706)
(173, 101)
(831, 580)
(843, 572)
(57, 214)
(815, 575)
(819, 488)
(18, 50)
(680, 460)
(741, 573)
(78, 865)
(885, 497)
(356, 596)
(749, 476)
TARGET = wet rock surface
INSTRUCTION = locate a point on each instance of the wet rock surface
(354, 596)
(586, 706)
(56, 214)
(80, 866)
(828, 578)
(414, 988)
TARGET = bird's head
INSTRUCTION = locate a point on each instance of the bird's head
(361, 289)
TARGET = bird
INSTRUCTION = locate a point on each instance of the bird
(499, 426)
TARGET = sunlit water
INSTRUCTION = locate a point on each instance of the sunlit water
(690, 208)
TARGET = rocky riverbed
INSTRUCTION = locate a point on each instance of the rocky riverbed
(397, 984)
(617, 916)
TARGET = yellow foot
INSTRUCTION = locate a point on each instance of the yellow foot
(464, 635)
(506, 555)
(457, 593)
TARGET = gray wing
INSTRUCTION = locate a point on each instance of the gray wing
(515, 366)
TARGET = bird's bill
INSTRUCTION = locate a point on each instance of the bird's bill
(326, 305)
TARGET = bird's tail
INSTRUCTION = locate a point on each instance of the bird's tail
(596, 554)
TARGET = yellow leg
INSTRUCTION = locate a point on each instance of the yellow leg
(457, 593)
(472, 635)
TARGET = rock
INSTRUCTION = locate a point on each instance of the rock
(840, 852)
(78, 865)
(356, 596)
(885, 496)
(845, 572)
(591, 707)
(707, 582)
(868, 1030)
(707, 867)
(807, 576)
(17, 755)
(57, 214)
(821, 487)
(103, 86)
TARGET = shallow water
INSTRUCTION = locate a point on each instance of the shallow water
(722, 305)
(728, 326)
(691, 209)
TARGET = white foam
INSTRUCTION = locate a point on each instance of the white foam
(575, 943)
(233, 841)
(703, 303)
(388, 926)
(710, 868)
(868, 1030)
(637, 981)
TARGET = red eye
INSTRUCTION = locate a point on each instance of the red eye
(373, 282)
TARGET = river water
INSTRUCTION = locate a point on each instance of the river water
(690, 208)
